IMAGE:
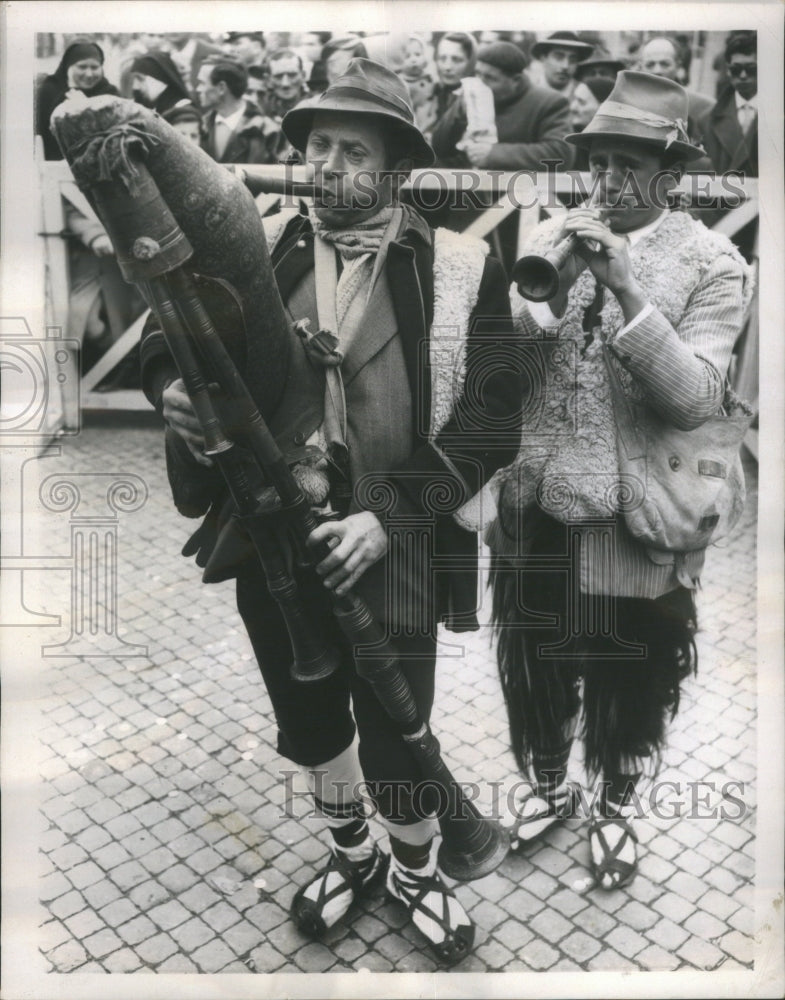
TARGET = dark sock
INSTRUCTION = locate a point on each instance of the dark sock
(618, 792)
(411, 855)
(550, 768)
(347, 822)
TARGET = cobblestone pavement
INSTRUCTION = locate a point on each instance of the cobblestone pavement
(168, 846)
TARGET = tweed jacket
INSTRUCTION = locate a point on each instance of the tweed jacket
(459, 447)
(674, 356)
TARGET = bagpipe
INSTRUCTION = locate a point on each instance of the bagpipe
(186, 231)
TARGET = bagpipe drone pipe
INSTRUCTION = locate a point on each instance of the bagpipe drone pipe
(187, 232)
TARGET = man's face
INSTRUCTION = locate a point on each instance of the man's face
(659, 57)
(629, 173)
(559, 66)
(286, 77)
(502, 84)
(598, 72)
(249, 51)
(349, 156)
(207, 93)
(146, 88)
(743, 73)
(256, 91)
(311, 47)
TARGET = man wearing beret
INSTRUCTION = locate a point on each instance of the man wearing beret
(409, 405)
(531, 121)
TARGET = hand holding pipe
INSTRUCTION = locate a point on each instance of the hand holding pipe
(538, 277)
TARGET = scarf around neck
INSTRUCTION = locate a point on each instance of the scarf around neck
(358, 239)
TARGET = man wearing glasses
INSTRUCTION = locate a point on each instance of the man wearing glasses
(730, 130)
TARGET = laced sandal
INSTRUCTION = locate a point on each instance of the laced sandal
(434, 911)
(322, 902)
(534, 814)
(619, 871)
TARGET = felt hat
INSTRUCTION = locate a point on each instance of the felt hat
(562, 40)
(503, 56)
(366, 88)
(613, 66)
(644, 108)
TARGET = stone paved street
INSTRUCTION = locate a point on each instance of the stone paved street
(171, 846)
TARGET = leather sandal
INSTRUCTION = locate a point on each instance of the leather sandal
(534, 814)
(340, 882)
(621, 872)
(434, 911)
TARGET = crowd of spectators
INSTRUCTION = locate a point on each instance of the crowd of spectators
(491, 99)
(502, 100)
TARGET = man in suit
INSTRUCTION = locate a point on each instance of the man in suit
(663, 56)
(234, 131)
(667, 297)
(730, 129)
(369, 270)
(531, 121)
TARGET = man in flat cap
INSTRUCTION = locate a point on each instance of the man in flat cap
(404, 417)
(531, 121)
(559, 55)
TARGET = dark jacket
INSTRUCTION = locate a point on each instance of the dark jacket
(255, 140)
(724, 141)
(470, 448)
(531, 125)
(51, 93)
(449, 127)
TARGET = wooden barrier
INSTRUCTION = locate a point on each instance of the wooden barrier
(529, 195)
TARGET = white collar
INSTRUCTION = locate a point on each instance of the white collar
(742, 102)
(636, 235)
(188, 49)
(232, 120)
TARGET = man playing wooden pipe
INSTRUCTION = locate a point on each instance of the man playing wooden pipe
(669, 297)
(411, 410)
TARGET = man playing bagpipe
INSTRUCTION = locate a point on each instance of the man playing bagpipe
(405, 406)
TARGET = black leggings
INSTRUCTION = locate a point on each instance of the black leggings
(315, 719)
(631, 678)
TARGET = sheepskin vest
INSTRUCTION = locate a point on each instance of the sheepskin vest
(568, 461)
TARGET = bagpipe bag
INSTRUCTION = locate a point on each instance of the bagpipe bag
(105, 141)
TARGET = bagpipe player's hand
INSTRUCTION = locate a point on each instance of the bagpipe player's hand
(357, 542)
(179, 415)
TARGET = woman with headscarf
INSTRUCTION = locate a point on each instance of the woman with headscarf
(81, 68)
(464, 105)
(156, 82)
(587, 96)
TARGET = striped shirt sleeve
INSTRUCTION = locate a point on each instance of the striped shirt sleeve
(683, 372)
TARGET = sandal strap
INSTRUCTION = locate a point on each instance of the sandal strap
(416, 892)
(611, 862)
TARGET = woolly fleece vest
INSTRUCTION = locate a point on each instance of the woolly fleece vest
(569, 437)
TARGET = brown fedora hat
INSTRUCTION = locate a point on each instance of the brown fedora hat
(366, 88)
(562, 40)
(645, 108)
